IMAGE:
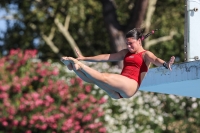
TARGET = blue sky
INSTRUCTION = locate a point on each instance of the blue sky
(2, 21)
(12, 10)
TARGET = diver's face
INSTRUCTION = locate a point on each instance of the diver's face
(133, 44)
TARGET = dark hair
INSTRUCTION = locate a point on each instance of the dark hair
(137, 33)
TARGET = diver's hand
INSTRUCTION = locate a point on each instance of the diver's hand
(170, 63)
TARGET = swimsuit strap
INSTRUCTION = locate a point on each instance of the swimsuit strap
(142, 52)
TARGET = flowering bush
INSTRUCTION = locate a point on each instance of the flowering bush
(34, 99)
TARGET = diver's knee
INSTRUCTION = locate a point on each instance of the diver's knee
(105, 77)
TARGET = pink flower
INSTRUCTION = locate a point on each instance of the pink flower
(3, 95)
(64, 128)
(20, 55)
(92, 99)
(68, 124)
(35, 117)
(102, 130)
(5, 87)
(49, 99)
(99, 124)
(15, 79)
(72, 81)
(47, 104)
(102, 100)
(35, 78)
(17, 87)
(58, 116)
(81, 131)
(5, 123)
(50, 119)
(6, 103)
(31, 121)
(79, 115)
(15, 122)
(88, 88)
(28, 131)
(43, 127)
(14, 52)
(87, 118)
(82, 96)
(35, 95)
(24, 81)
(30, 53)
(77, 128)
(92, 126)
(80, 82)
(41, 118)
(55, 71)
(11, 110)
(38, 102)
(54, 126)
(23, 122)
(61, 93)
(22, 107)
(43, 73)
(100, 114)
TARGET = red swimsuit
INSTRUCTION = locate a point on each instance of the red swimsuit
(134, 65)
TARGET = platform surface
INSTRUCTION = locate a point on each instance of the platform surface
(183, 80)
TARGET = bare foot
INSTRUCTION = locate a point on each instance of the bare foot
(66, 61)
(76, 64)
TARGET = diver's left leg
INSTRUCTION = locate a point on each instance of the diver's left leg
(125, 86)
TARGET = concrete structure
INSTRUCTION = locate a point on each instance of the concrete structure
(183, 80)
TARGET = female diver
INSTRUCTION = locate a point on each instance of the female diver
(136, 64)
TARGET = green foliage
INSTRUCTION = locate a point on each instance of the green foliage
(87, 26)
(33, 98)
(124, 10)
(84, 18)
(168, 17)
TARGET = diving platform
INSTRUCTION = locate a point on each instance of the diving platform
(183, 80)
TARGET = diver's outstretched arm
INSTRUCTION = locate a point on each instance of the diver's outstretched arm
(103, 57)
(159, 62)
